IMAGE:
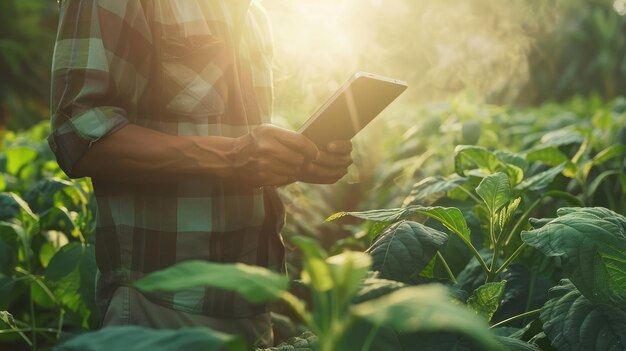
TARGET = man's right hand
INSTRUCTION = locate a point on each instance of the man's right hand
(272, 156)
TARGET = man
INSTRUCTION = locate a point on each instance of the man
(165, 105)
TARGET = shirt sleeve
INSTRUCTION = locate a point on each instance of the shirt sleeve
(100, 66)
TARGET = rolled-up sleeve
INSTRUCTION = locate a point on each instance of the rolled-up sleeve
(100, 71)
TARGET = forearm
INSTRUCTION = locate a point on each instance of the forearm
(138, 154)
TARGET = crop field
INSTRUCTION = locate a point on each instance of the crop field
(470, 220)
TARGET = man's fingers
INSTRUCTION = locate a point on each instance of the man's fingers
(330, 160)
(281, 168)
(339, 146)
(278, 151)
(319, 171)
(297, 142)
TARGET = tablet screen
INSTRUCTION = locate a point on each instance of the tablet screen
(351, 108)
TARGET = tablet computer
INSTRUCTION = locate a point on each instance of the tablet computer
(351, 108)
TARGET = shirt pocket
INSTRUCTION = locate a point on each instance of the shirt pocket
(192, 76)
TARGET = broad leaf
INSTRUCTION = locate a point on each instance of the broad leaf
(486, 299)
(72, 276)
(19, 157)
(551, 156)
(372, 288)
(495, 191)
(425, 308)
(40, 196)
(450, 217)
(591, 243)
(516, 160)
(255, 284)
(134, 338)
(609, 153)
(574, 323)
(13, 206)
(540, 180)
(404, 249)
(470, 157)
(430, 190)
(386, 215)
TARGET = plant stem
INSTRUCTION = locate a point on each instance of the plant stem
(523, 218)
(21, 330)
(370, 338)
(525, 314)
(531, 289)
(491, 274)
(509, 260)
(445, 265)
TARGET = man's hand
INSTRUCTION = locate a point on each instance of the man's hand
(272, 156)
(330, 165)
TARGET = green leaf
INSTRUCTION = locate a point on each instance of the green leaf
(574, 323)
(486, 299)
(58, 218)
(430, 189)
(495, 191)
(19, 157)
(540, 180)
(13, 206)
(315, 271)
(516, 160)
(71, 274)
(347, 270)
(551, 156)
(255, 284)
(40, 196)
(609, 153)
(591, 243)
(373, 288)
(469, 157)
(425, 308)
(450, 217)
(601, 178)
(307, 341)
(404, 249)
(386, 215)
(134, 338)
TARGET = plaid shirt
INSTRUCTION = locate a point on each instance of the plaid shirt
(192, 67)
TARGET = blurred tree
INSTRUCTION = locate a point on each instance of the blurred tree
(585, 53)
(27, 30)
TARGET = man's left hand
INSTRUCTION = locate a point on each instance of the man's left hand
(330, 165)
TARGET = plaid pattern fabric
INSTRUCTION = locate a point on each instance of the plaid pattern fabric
(192, 67)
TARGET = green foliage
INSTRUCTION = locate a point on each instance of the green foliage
(425, 308)
(255, 284)
(485, 300)
(47, 269)
(591, 243)
(404, 249)
(574, 322)
(140, 339)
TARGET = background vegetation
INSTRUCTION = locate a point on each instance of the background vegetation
(462, 212)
